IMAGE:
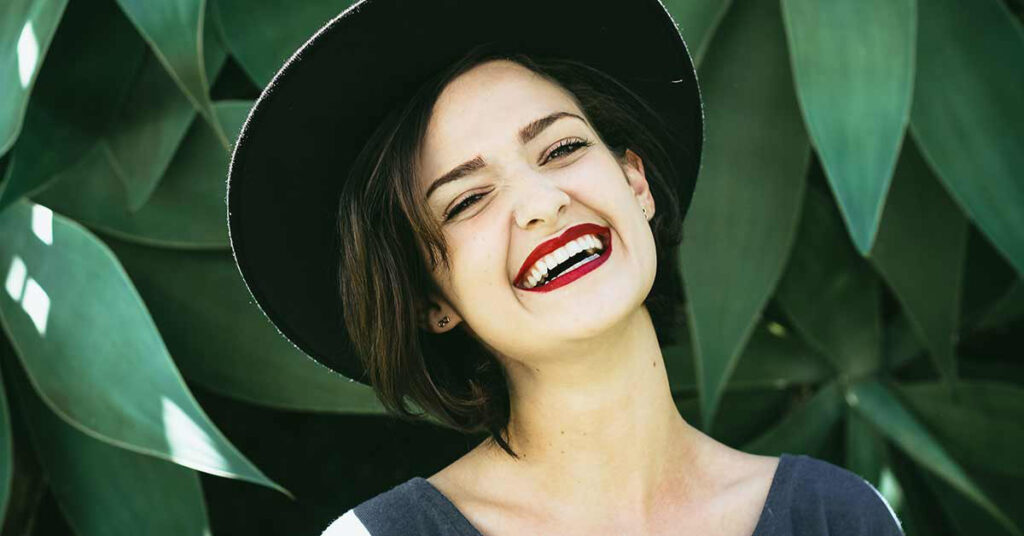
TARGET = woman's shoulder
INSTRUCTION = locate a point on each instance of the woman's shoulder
(412, 507)
(812, 496)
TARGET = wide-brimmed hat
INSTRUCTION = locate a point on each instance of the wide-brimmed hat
(312, 120)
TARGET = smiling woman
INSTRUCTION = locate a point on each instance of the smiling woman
(477, 210)
(536, 161)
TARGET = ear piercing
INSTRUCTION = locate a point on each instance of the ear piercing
(443, 322)
(644, 210)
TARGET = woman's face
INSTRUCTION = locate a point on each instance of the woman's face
(524, 187)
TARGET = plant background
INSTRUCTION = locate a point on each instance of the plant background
(852, 261)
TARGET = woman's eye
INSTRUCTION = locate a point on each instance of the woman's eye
(566, 147)
(463, 205)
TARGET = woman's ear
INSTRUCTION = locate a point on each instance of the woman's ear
(633, 167)
(440, 316)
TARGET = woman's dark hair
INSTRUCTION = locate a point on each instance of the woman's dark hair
(389, 242)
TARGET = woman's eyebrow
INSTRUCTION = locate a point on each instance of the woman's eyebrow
(527, 133)
(535, 127)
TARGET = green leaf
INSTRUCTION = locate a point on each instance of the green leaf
(148, 132)
(968, 115)
(26, 29)
(879, 407)
(96, 52)
(91, 350)
(805, 429)
(865, 450)
(772, 359)
(920, 252)
(262, 35)
(965, 517)
(220, 339)
(921, 512)
(981, 426)
(106, 490)
(830, 293)
(740, 228)
(194, 185)
(174, 31)
(698, 20)
(139, 132)
(853, 62)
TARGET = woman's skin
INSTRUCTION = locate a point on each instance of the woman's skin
(603, 449)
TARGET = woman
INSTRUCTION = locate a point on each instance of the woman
(487, 201)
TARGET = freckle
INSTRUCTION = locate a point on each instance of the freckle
(563, 432)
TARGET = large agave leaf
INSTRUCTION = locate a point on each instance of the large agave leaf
(137, 133)
(262, 35)
(920, 512)
(91, 350)
(26, 28)
(981, 427)
(221, 340)
(174, 31)
(747, 202)
(920, 253)
(185, 211)
(829, 292)
(853, 62)
(697, 20)
(968, 115)
(965, 517)
(96, 52)
(805, 429)
(147, 132)
(879, 407)
(106, 490)
(772, 359)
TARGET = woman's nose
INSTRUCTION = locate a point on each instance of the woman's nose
(541, 201)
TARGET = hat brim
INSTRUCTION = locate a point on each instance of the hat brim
(311, 121)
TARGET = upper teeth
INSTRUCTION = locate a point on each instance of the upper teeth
(589, 243)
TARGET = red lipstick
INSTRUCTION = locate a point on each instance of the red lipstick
(572, 233)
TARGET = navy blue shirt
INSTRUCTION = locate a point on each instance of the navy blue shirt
(807, 497)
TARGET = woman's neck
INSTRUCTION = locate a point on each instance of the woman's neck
(596, 428)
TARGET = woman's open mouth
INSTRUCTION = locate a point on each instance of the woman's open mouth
(566, 258)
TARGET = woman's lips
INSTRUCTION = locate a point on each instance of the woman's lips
(572, 233)
(569, 277)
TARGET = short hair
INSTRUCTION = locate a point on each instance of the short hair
(390, 242)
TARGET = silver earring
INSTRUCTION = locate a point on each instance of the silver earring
(644, 210)
(443, 322)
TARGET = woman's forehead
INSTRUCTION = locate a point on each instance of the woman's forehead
(499, 89)
(488, 105)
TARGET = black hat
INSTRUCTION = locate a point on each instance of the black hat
(312, 120)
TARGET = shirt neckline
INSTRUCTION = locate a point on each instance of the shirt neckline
(765, 520)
